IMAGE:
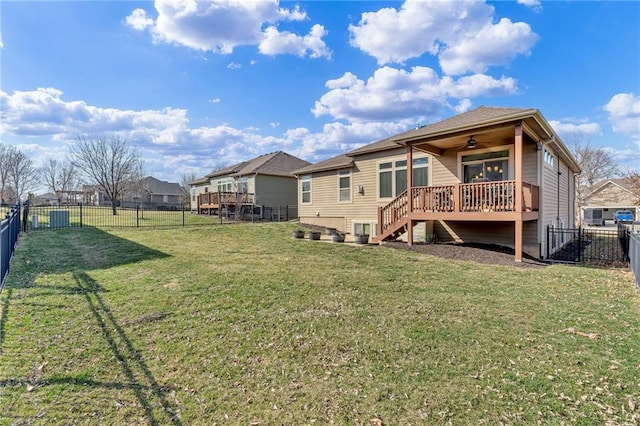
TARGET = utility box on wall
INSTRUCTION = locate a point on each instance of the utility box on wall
(58, 219)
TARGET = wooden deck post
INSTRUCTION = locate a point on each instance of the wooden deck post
(519, 193)
(409, 194)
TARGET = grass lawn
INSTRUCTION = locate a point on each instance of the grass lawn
(101, 217)
(242, 324)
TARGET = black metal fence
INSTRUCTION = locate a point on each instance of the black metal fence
(10, 228)
(603, 247)
(79, 215)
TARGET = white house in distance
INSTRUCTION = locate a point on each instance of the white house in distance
(490, 175)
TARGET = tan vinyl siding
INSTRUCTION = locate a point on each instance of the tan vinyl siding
(325, 209)
(274, 191)
(444, 169)
(549, 197)
(530, 164)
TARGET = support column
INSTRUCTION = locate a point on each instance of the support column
(518, 241)
(518, 191)
(409, 194)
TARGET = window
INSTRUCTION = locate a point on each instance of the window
(243, 185)
(548, 158)
(344, 186)
(385, 180)
(305, 188)
(486, 167)
(165, 198)
(392, 176)
(420, 175)
(206, 189)
(225, 185)
(365, 228)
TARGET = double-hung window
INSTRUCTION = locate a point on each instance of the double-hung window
(305, 189)
(225, 185)
(344, 186)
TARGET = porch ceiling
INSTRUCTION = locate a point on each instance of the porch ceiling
(437, 145)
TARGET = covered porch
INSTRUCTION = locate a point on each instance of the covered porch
(500, 196)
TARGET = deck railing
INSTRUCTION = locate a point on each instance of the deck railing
(216, 198)
(460, 198)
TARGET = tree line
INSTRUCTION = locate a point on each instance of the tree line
(109, 163)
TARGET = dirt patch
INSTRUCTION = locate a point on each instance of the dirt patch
(481, 253)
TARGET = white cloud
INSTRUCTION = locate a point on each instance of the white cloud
(215, 100)
(624, 114)
(138, 20)
(533, 4)
(393, 93)
(219, 26)
(168, 144)
(462, 35)
(276, 42)
(570, 129)
(234, 66)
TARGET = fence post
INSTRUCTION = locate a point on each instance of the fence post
(137, 215)
(81, 215)
(548, 245)
(183, 223)
(580, 245)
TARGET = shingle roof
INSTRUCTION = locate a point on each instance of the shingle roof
(156, 186)
(277, 163)
(341, 161)
(479, 116)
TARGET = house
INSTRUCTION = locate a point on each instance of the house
(611, 195)
(46, 199)
(263, 184)
(490, 175)
(154, 193)
(148, 193)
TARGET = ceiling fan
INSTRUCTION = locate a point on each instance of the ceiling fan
(471, 144)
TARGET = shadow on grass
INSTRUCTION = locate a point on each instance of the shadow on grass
(128, 358)
(62, 252)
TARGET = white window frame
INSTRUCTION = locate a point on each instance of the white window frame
(548, 157)
(510, 160)
(394, 169)
(342, 174)
(373, 226)
(302, 192)
(225, 185)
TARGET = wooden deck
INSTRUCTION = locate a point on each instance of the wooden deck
(213, 200)
(487, 201)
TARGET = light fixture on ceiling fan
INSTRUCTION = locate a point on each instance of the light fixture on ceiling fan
(471, 143)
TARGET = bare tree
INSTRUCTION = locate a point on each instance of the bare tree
(22, 174)
(596, 163)
(5, 154)
(59, 177)
(185, 180)
(632, 178)
(109, 162)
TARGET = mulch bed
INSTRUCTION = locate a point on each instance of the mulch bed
(481, 253)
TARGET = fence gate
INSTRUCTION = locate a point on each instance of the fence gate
(604, 247)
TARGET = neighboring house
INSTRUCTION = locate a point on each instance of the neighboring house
(157, 194)
(260, 183)
(148, 193)
(490, 175)
(611, 195)
(47, 199)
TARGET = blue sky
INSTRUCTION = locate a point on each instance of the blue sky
(200, 85)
